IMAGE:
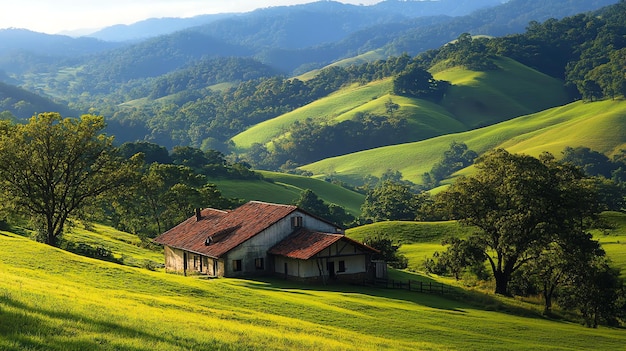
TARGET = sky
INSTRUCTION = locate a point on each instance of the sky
(56, 16)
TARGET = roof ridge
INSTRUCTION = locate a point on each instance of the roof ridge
(271, 203)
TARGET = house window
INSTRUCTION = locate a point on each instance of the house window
(342, 266)
(237, 265)
(259, 264)
(296, 222)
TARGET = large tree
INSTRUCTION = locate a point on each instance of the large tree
(520, 204)
(391, 200)
(52, 166)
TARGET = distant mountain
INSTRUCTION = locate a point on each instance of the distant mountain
(323, 12)
(152, 27)
(22, 40)
(509, 18)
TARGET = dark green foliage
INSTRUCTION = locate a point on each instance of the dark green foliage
(151, 152)
(310, 202)
(24, 104)
(459, 255)
(417, 82)
(208, 72)
(598, 292)
(309, 141)
(388, 251)
(609, 174)
(457, 157)
(391, 200)
(520, 204)
(586, 50)
(98, 252)
(591, 162)
(466, 52)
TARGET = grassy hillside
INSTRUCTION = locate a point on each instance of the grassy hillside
(482, 98)
(420, 240)
(323, 110)
(475, 99)
(286, 188)
(54, 300)
(598, 125)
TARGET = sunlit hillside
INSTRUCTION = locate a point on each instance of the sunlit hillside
(54, 300)
(475, 99)
(600, 126)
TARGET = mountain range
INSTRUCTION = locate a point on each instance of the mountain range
(162, 80)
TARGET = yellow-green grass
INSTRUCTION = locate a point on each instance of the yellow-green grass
(54, 300)
(369, 56)
(484, 98)
(475, 99)
(125, 247)
(320, 110)
(600, 126)
(425, 119)
(258, 190)
(418, 240)
(331, 193)
(613, 241)
(286, 188)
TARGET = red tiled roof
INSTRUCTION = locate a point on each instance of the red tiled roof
(305, 244)
(227, 228)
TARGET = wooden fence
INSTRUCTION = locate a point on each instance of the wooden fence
(413, 285)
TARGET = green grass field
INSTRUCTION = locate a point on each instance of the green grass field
(324, 109)
(475, 99)
(54, 300)
(286, 188)
(600, 126)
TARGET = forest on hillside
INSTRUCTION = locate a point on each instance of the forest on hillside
(586, 51)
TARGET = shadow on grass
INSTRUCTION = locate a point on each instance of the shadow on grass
(455, 299)
(25, 327)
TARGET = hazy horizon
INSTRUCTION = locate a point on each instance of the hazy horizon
(65, 16)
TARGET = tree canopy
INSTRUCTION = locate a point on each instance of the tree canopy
(520, 204)
(52, 166)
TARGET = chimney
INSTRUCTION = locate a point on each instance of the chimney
(198, 215)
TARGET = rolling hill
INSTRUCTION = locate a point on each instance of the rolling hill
(600, 126)
(475, 99)
(52, 299)
(286, 188)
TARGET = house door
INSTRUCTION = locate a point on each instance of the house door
(330, 266)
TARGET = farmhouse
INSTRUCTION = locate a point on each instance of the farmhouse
(260, 238)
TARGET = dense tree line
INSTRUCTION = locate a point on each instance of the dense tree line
(533, 216)
(213, 117)
(585, 50)
(457, 157)
(207, 72)
(309, 141)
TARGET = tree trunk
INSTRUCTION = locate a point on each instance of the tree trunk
(502, 282)
(547, 308)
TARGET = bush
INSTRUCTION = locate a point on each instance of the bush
(98, 252)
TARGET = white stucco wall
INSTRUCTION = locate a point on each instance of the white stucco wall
(258, 245)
